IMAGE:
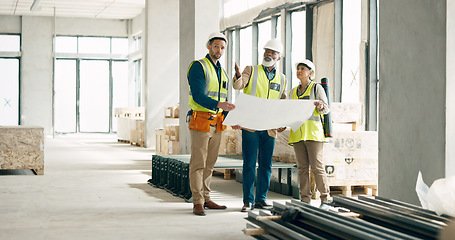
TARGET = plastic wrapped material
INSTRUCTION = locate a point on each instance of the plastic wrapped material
(422, 190)
(439, 197)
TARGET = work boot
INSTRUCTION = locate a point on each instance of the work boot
(262, 205)
(198, 209)
(213, 205)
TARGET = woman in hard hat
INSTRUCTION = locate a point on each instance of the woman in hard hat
(308, 140)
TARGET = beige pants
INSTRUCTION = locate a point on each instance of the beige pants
(204, 153)
(309, 153)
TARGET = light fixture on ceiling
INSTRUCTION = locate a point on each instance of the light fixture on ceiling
(34, 6)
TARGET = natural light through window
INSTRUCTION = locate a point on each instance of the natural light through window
(265, 34)
(351, 52)
(94, 45)
(10, 43)
(298, 43)
(246, 57)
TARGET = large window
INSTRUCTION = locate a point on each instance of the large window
(298, 52)
(9, 79)
(10, 43)
(65, 96)
(342, 58)
(265, 34)
(91, 80)
(351, 50)
(9, 92)
(246, 41)
(66, 45)
(119, 88)
(94, 96)
(91, 45)
(119, 45)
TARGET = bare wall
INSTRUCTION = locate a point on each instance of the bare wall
(412, 96)
(10, 24)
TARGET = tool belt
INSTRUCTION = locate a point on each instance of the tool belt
(201, 121)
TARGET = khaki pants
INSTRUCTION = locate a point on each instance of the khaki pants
(204, 153)
(309, 153)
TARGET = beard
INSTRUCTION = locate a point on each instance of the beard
(215, 56)
(268, 63)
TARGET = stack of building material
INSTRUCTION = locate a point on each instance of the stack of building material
(165, 146)
(130, 125)
(346, 116)
(137, 137)
(171, 112)
(171, 172)
(167, 139)
(231, 142)
(347, 218)
(350, 157)
(22, 147)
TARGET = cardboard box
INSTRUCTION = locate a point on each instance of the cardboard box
(229, 143)
(127, 122)
(137, 134)
(172, 132)
(165, 146)
(350, 158)
(171, 112)
(346, 112)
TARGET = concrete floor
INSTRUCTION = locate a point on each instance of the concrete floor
(95, 188)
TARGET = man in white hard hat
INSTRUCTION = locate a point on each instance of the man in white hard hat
(263, 81)
(208, 84)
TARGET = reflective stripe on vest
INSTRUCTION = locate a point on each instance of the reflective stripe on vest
(312, 129)
(212, 86)
(252, 88)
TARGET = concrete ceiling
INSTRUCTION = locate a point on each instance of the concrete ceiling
(110, 9)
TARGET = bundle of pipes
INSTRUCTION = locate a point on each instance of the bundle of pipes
(347, 218)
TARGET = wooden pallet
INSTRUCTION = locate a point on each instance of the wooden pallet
(228, 173)
(139, 144)
(348, 189)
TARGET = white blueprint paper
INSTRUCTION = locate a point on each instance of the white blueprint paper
(263, 114)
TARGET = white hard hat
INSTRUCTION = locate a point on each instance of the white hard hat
(275, 45)
(310, 65)
(216, 35)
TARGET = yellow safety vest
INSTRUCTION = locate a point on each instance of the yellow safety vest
(312, 129)
(260, 86)
(212, 86)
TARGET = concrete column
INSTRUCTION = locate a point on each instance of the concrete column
(161, 68)
(450, 96)
(36, 73)
(415, 108)
(198, 18)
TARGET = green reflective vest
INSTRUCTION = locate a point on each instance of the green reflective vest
(312, 129)
(213, 88)
(260, 86)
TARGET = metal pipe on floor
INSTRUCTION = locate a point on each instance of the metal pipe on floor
(390, 218)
